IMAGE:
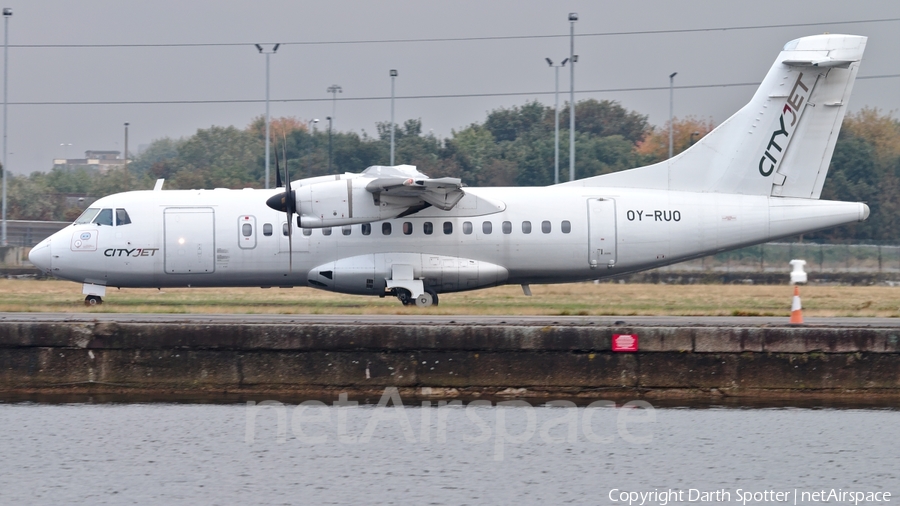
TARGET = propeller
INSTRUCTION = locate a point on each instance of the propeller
(285, 201)
(278, 183)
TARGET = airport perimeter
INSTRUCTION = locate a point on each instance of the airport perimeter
(685, 359)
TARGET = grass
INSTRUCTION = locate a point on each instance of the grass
(588, 299)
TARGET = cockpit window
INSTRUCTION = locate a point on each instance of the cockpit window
(104, 217)
(122, 217)
(87, 216)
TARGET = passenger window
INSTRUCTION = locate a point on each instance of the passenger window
(122, 217)
(407, 228)
(284, 229)
(487, 227)
(566, 227)
(385, 228)
(526, 227)
(267, 229)
(326, 231)
(467, 227)
(104, 217)
(428, 228)
(87, 216)
(507, 227)
(246, 230)
(448, 227)
(545, 227)
(366, 228)
(346, 229)
(307, 232)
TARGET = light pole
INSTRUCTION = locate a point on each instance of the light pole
(573, 17)
(126, 146)
(309, 126)
(334, 90)
(267, 53)
(556, 123)
(329, 143)
(671, 108)
(393, 76)
(7, 13)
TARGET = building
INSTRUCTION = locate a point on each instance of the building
(101, 161)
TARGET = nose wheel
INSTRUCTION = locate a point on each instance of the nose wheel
(93, 300)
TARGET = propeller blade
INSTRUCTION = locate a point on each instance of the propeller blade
(278, 183)
(290, 245)
(290, 204)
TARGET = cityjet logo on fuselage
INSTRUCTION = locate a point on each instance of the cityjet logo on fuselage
(775, 149)
(133, 252)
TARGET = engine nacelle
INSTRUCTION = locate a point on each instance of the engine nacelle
(345, 202)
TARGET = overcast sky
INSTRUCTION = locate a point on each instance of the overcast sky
(332, 42)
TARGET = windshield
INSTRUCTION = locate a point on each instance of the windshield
(122, 217)
(87, 216)
(104, 217)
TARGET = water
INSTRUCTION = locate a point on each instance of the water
(232, 454)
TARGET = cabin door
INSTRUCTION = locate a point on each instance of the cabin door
(190, 240)
(601, 233)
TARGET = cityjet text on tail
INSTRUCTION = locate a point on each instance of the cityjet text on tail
(395, 231)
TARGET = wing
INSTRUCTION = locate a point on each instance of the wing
(443, 193)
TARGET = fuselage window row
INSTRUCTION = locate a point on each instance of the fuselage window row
(487, 228)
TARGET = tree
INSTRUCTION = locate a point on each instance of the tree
(510, 124)
(472, 148)
(160, 154)
(655, 146)
(31, 199)
(223, 156)
(604, 118)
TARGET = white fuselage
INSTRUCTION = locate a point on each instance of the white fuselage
(202, 238)
(755, 177)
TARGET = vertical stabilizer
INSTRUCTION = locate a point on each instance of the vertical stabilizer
(781, 142)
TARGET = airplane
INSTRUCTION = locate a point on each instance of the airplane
(392, 230)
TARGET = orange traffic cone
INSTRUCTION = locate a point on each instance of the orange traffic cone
(796, 311)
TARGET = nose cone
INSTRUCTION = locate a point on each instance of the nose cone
(40, 256)
(863, 212)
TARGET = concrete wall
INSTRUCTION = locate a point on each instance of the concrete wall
(448, 360)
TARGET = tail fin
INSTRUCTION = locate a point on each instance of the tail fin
(780, 143)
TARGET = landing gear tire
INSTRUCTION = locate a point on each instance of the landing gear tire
(424, 300)
(434, 296)
(404, 296)
(93, 300)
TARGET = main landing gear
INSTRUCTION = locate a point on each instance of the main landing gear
(430, 297)
(93, 300)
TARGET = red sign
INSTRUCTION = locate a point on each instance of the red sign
(625, 342)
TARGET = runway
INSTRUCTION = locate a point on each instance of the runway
(461, 320)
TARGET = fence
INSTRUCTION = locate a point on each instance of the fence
(26, 233)
(820, 257)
